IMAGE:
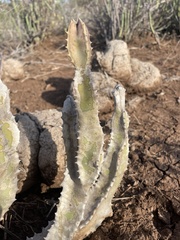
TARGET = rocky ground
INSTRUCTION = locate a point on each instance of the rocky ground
(147, 204)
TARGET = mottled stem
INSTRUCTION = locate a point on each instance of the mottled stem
(92, 176)
(9, 161)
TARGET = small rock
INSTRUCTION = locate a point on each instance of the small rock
(12, 69)
(116, 60)
(145, 76)
(52, 155)
(41, 149)
(28, 150)
(104, 85)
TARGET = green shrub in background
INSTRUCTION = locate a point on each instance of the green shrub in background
(112, 19)
(36, 17)
(28, 21)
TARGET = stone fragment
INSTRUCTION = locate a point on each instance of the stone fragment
(104, 85)
(12, 69)
(28, 150)
(145, 76)
(41, 149)
(116, 61)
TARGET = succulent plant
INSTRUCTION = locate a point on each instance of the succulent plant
(94, 171)
(92, 175)
(9, 160)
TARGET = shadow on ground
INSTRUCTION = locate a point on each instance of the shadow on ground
(56, 91)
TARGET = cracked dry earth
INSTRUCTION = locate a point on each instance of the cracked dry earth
(147, 204)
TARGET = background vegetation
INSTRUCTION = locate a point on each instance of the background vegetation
(28, 21)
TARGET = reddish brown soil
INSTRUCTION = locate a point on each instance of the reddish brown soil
(147, 204)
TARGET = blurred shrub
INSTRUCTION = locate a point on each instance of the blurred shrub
(110, 19)
(29, 20)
